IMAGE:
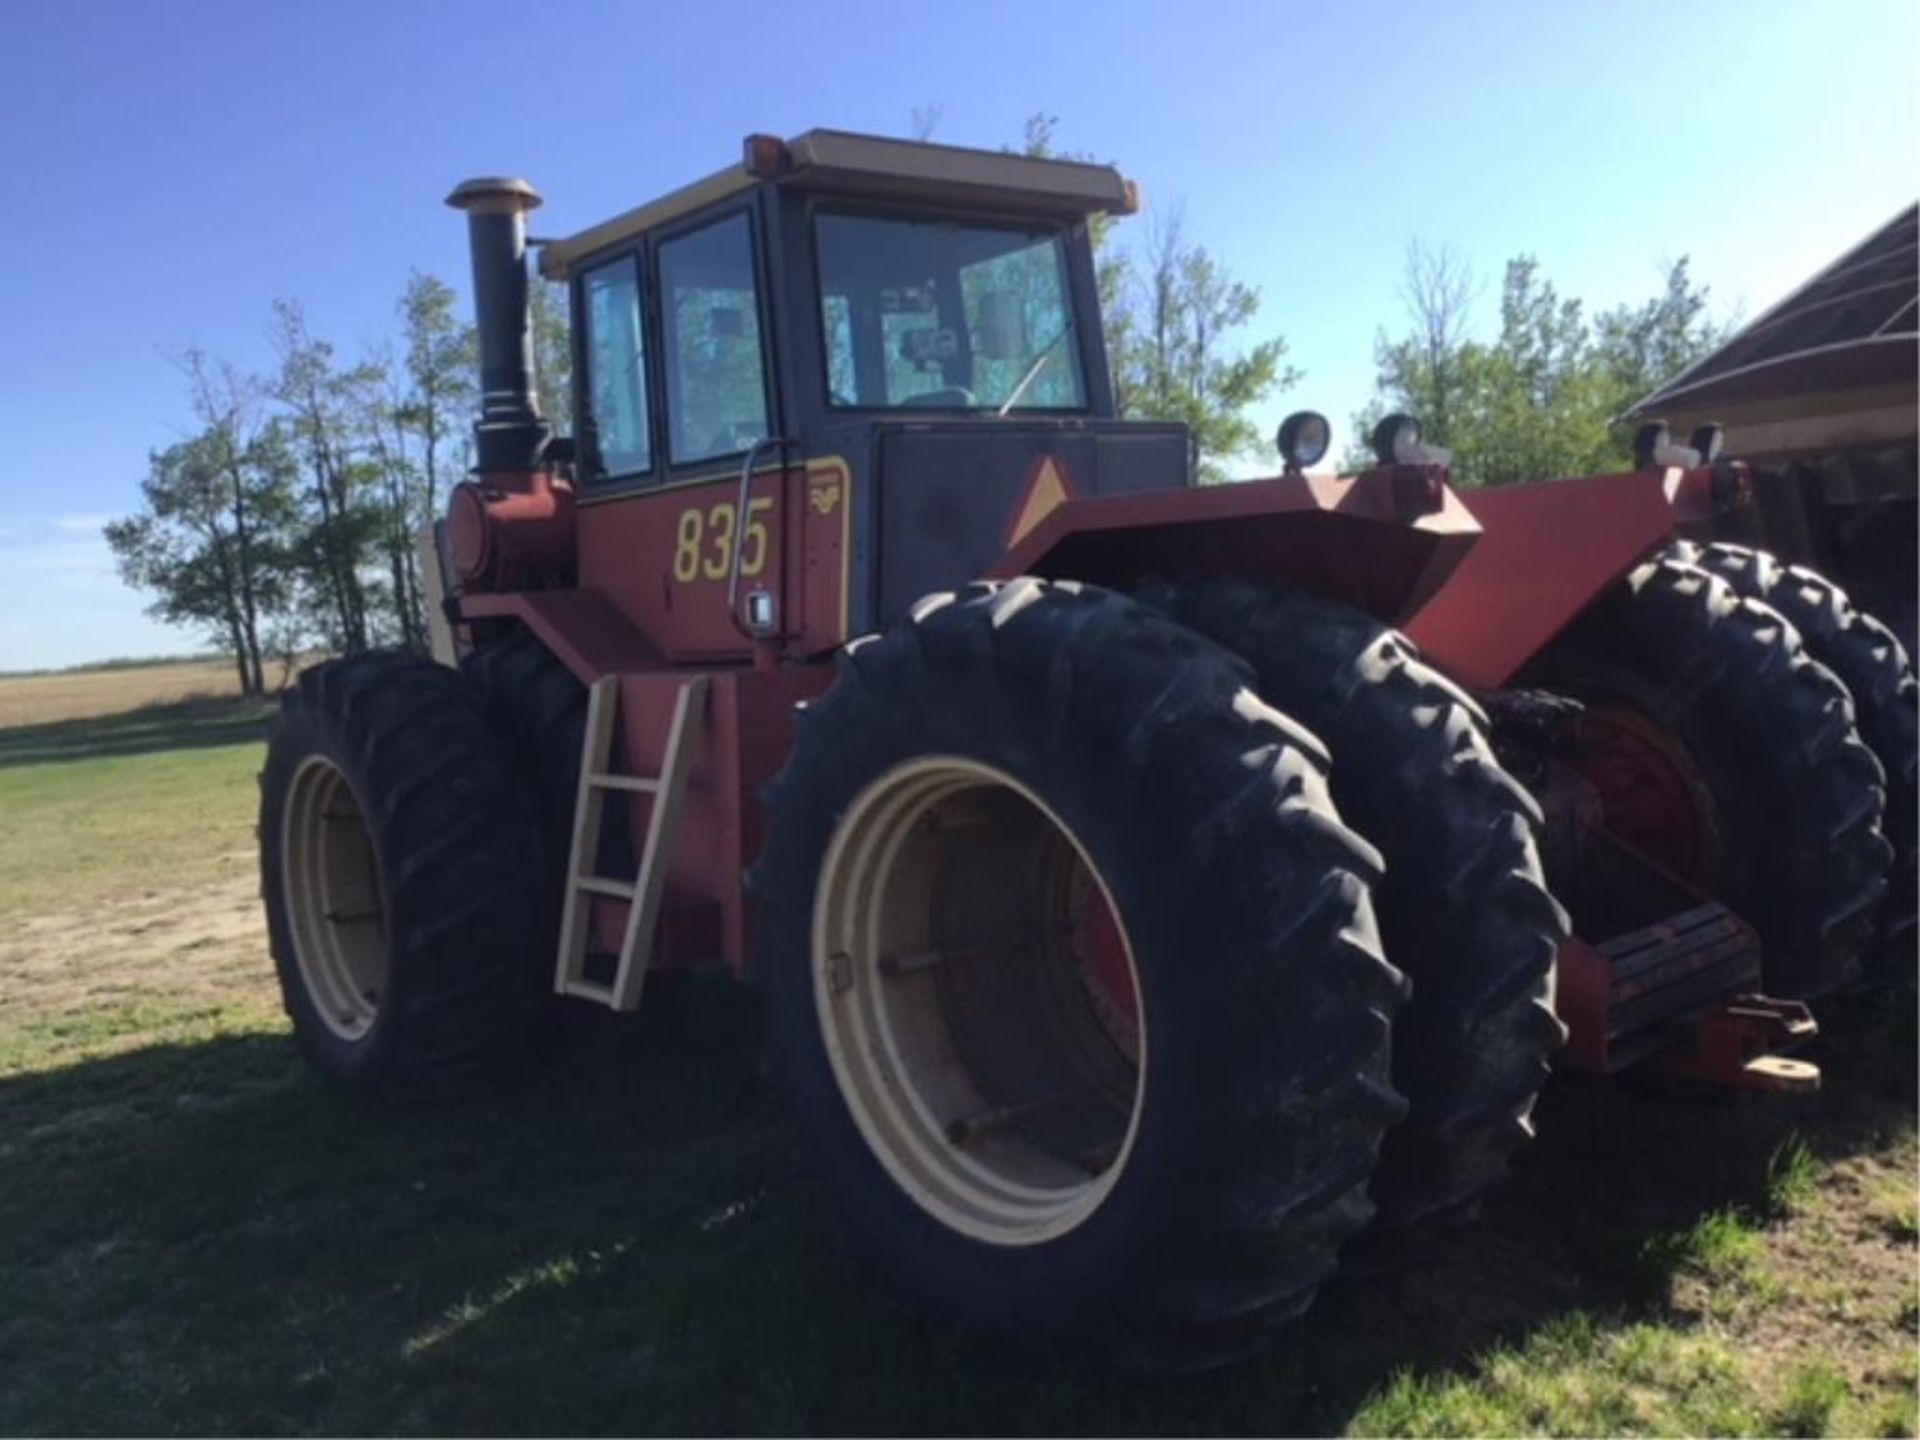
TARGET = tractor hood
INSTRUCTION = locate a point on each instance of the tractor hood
(1113, 503)
(1382, 542)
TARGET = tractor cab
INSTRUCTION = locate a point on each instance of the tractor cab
(911, 332)
(848, 372)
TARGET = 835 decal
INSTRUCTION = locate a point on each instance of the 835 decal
(703, 541)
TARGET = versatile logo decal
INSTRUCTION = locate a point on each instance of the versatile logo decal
(824, 496)
(1048, 488)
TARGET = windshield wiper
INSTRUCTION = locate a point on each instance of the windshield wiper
(1033, 370)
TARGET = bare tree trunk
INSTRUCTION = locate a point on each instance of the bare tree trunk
(240, 661)
(225, 414)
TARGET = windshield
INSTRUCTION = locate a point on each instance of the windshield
(922, 314)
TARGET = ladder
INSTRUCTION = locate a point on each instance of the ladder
(643, 894)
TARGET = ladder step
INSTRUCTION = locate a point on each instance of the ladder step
(600, 885)
(643, 784)
(588, 990)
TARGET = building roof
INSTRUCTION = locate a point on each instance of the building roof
(876, 167)
(1847, 341)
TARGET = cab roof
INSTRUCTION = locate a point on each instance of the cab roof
(872, 167)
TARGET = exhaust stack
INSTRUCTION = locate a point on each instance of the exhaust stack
(510, 433)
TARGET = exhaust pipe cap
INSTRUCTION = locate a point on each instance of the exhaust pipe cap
(494, 195)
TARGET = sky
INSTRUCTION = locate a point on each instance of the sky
(173, 168)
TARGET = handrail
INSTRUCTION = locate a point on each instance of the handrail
(740, 530)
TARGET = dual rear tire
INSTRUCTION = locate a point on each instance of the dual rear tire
(1464, 905)
(1072, 978)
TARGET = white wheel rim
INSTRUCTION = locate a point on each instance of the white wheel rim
(336, 914)
(951, 983)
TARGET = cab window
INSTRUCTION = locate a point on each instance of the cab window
(715, 364)
(931, 314)
(617, 364)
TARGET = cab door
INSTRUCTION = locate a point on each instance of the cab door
(666, 543)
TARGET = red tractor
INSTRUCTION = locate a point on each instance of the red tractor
(1138, 917)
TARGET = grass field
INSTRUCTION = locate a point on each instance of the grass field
(194, 1236)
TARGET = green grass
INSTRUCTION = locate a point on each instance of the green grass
(196, 1236)
(1726, 1252)
(1793, 1178)
(1578, 1375)
(1895, 1207)
(128, 807)
(1814, 1395)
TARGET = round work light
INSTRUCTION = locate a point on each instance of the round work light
(1396, 441)
(1303, 439)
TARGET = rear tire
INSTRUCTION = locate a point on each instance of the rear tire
(1255, 1109)
(537, 707)
(1464, 906)
(1874, 667)
(395, 866)
(1795, 796)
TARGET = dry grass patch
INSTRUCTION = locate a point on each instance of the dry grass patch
(80, 694)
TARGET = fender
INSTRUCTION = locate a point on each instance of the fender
(1382, 541)
(1547, 552)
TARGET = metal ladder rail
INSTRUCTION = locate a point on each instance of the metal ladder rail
(644, 894)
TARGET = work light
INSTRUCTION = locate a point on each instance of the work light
(1653, 446)
(1650, 440)
(1396, 441)
(1303, 439)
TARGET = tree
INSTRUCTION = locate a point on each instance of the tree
(1546, 396)
(1429, 363)
(1172, 361)
(323, 404)
(552, 353)
(227, 405)
(440, 363)
(925, 119)
(1644, 347)
(211, 538)
(381, 406)
(1170, 318)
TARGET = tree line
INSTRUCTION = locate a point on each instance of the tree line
(287, 519)
(1544, 395)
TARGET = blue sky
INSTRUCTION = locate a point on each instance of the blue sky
(172, 168)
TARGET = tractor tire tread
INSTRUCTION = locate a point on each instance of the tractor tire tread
(1464, 906)
(453, 862)
(1879, 676)
(1750, 700)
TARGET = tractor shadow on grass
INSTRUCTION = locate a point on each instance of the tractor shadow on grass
(177, 725)
(198, 1237)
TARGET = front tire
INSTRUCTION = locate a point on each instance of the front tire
(396, 870)
(1692, 689)
(946, 1024)
(1870, 661)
